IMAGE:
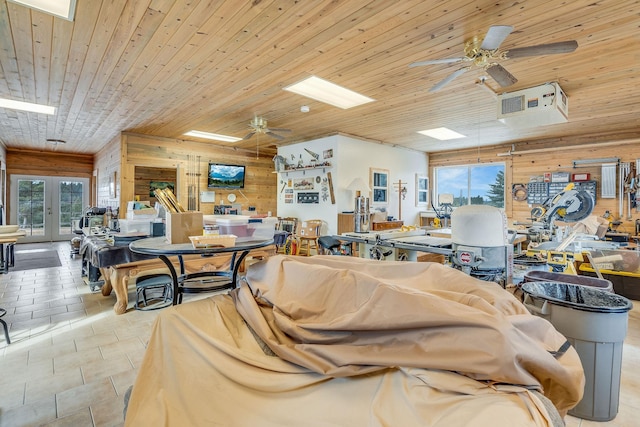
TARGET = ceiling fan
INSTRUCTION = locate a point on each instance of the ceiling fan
(484, 52)
(259, 126)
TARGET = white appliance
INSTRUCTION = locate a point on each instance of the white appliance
(542, 105)
(480, 243)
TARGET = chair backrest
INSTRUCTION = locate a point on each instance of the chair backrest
(312, 227)
(289, 224)
(306, 231)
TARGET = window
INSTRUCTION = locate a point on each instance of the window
(378, 181)
(422, 190)
(471, 184)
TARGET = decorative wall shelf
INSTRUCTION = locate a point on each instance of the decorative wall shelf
(303, 169)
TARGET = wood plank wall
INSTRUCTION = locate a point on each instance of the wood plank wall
(144, 177)
(549, 156)
(167, 153)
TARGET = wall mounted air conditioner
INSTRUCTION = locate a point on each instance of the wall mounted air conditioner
(542, 105)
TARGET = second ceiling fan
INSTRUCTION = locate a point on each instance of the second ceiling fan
(484, 52)
(259, 126)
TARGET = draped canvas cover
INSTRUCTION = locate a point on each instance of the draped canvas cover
(346, 341)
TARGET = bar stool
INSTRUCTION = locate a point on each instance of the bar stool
(159, 287)
(4, 325)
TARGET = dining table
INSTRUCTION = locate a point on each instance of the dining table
(200, 281)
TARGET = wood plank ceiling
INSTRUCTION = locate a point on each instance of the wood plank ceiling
(164, 67)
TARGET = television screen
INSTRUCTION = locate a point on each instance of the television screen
(225, 176)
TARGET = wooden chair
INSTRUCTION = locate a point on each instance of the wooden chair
(308, 235)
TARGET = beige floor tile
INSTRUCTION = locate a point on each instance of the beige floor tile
(39, 388)
(82, 418)
(123, 381)
(96, 370)
(75, 399)
(73, 332)
(69, 316)
(25, 372)
(50, 350)
(102, 338)
(136, 358)
(11, 395)
(109, 413)
(34, 414)
(72, 361)
(122, 347)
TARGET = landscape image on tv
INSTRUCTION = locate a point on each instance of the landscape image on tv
(226, 176)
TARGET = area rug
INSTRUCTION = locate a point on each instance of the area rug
(35, 258)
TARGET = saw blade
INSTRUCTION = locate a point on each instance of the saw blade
(580, 208)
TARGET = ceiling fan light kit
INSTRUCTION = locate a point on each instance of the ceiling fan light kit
(485, 52)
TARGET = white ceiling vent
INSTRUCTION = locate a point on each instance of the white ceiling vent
(541, 105)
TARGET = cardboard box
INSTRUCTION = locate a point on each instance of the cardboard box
(182, 225)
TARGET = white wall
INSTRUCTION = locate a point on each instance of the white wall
(351, 159)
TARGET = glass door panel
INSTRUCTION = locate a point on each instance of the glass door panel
(31, 206)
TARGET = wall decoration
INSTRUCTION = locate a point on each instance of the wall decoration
(325, 189)
(303, 184)
(308, 198)
(161, 185)
(422, 190)
(327, 154)
(379, 184)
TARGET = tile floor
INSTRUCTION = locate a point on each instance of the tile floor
(72, 359)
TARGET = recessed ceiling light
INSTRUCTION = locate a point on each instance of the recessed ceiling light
(215, 136)
(61, 8)
(26, 106)
(442, 134)
(330, 93)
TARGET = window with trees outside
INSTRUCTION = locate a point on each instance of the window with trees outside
(471, 184)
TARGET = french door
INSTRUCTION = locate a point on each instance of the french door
(46, 206)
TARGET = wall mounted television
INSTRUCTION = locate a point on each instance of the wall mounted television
(225, 176)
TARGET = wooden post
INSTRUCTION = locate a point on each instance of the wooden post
(402, 193)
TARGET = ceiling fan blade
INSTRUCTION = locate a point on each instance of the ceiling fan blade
(249, 135)
(543, 49)
(448, 79)
(279, 129)
(501, 75)
(274, 135)
(435, 61)
(495, 36)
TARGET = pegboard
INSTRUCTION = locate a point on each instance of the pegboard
(538, 192)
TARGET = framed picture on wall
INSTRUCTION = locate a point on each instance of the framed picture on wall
(161, 185)
(379, 184)
(422, 190)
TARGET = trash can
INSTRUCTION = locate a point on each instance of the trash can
(574, 279)
(595, 323)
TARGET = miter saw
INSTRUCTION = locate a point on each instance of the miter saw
(570, 205)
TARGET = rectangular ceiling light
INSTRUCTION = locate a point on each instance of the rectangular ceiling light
(26, 106)
(330, 93)
(215, 136)
(442, 134)
(61, 8)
